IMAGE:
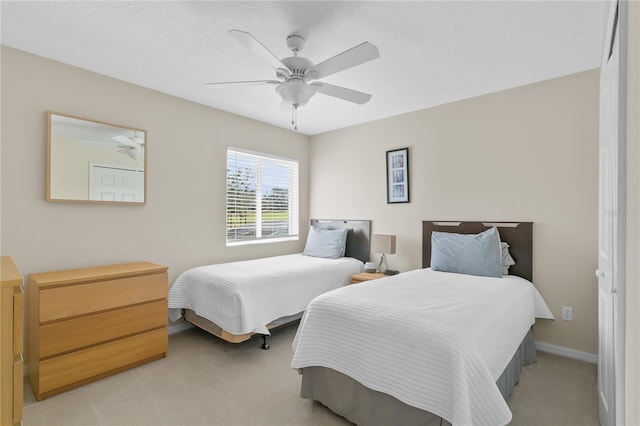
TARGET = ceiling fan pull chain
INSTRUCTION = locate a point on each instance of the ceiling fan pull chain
(294, 117)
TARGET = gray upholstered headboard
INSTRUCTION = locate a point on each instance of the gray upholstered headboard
(519, 236)
(358, 237)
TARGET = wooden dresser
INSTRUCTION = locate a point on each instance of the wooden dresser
(86, 324)
(11, 342)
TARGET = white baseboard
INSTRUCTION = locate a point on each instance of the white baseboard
(179, 327)
(566, 352)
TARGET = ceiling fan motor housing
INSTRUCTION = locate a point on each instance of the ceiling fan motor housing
(297, 65)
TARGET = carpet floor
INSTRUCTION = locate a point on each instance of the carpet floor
(206, 381)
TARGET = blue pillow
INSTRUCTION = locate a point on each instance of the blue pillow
(327, 243)
(472, 254)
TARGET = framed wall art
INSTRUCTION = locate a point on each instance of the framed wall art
(398, 176)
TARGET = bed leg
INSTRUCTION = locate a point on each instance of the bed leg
(265, 345)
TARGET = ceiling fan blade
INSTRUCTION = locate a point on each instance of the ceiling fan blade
(243, 83)
(342, 93)
(349, 58)
(257, 48)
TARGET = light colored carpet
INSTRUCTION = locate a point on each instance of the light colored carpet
(205, 381)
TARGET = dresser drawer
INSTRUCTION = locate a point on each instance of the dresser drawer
(79, 367)
(79, 332)
(72, 300)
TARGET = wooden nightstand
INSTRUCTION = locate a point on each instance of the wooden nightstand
(366, 276)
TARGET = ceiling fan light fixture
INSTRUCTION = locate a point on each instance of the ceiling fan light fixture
(295, 92)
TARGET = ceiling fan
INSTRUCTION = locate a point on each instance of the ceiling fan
(296, 77)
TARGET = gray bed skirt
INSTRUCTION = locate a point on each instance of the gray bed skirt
(360, 405)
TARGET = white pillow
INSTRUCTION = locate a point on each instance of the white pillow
(507, 260)
(327, 243)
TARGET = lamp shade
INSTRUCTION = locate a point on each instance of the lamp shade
(385, 244)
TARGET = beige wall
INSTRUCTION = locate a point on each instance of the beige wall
(183, 222)
(525, 154)
(528, 154)
(632, 341)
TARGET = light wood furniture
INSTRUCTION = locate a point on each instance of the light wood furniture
(366, 276)
(11, 340)
(86, 324)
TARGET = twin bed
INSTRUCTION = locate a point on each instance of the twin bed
(237, 300)
(414, 348)
(424, 345)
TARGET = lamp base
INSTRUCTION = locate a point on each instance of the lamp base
(391, 272)
(370, 267)
(382, 265)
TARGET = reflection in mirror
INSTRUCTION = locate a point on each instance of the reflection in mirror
(90, 161)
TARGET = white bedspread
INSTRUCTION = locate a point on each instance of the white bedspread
(243, 297)
(437, 341)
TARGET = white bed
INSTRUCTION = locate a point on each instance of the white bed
(430, 342)
(243, 297)
(236, 300)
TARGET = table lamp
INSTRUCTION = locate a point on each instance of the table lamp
(384, 244)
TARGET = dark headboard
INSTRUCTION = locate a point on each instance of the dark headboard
(519, 236)
(358, 237)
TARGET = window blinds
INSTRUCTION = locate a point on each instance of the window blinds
(262, 197)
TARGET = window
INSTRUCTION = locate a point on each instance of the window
(262, 198)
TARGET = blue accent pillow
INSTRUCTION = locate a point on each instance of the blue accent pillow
(472, 254)
(327, 243)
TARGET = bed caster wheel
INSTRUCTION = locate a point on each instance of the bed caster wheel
(265, 345)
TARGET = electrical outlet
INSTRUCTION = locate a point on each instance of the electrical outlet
(567, 313)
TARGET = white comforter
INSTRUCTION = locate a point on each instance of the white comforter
(437, 341)
(243, 297)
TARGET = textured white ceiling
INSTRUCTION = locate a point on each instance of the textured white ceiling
(431, 52)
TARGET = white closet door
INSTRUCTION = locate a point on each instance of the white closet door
(611, 233)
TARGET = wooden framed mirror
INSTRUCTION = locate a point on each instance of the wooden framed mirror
(90, 161)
